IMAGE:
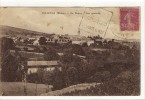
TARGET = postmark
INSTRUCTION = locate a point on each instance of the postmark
(96, 21)
(129, 19)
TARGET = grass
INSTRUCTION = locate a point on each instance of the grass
(17, 88)
(73, 88)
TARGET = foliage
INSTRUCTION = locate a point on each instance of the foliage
(74, 69)
(77, 49)
(42, 41)
(7, 44)
(71, 76)
(77, 70)
(66, 58)
(51, 54)
(85, 45)
(58, 79)
(11, 64)
(118, 86)
(48, 77)
(100, 77)
(40, 73)
(11, 68)
(54, 78)
(33, 78)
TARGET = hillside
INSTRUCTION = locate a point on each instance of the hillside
(70, 89)
(13, 31)
(125, 84)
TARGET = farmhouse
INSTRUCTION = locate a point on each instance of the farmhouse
(58, 39)
(36, 42)
(89, 42)
(77, 42)
(33, 66)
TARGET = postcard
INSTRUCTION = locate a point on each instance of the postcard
(70, 51)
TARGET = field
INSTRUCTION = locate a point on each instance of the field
(17, 89)
(29, 55)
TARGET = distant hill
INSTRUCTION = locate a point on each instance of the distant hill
(13, 31)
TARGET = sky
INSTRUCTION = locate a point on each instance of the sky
(90, 21)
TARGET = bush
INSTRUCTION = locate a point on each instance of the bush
(51, 54)
(100, 77)
(126, 83)
(42, 41)
(32, 78)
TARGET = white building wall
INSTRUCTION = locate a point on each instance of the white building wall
(90, 42)
(34, 70)
(36, 42)
(76, 42)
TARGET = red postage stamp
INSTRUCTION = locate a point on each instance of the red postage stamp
(129, 19)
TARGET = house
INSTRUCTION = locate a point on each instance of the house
(32, 38)
(89, 42)
(50, 40)
(14, 39)
(21, 40)
(81, 42)
(33, 66)
(36, 42)
(77, 42)
(60, 39)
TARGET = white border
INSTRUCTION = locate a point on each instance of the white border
(85, 3)
(70, 3)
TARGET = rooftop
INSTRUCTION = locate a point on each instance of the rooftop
(42, 63)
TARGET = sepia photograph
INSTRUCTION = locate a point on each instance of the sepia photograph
(70, 51)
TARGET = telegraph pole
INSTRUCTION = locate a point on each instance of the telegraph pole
(36, 88)
(25, 83)
(24, 80)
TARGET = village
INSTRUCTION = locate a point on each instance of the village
(36, 46)
(81, 50)
(63, 60)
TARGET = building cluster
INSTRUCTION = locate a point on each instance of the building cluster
(33, 65)
(60, 39)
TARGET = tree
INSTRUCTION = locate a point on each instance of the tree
(66, 58)
(58, 81)
(83, 71)
(85, 44)
(7, 44)
(51, 54)
(26, 41)
(40, 73)
(10, 67)
(10, 63)
(48, 77)
(100, 77)
(71, 76)
(42, 41)
(70, 61)
(77, 49)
